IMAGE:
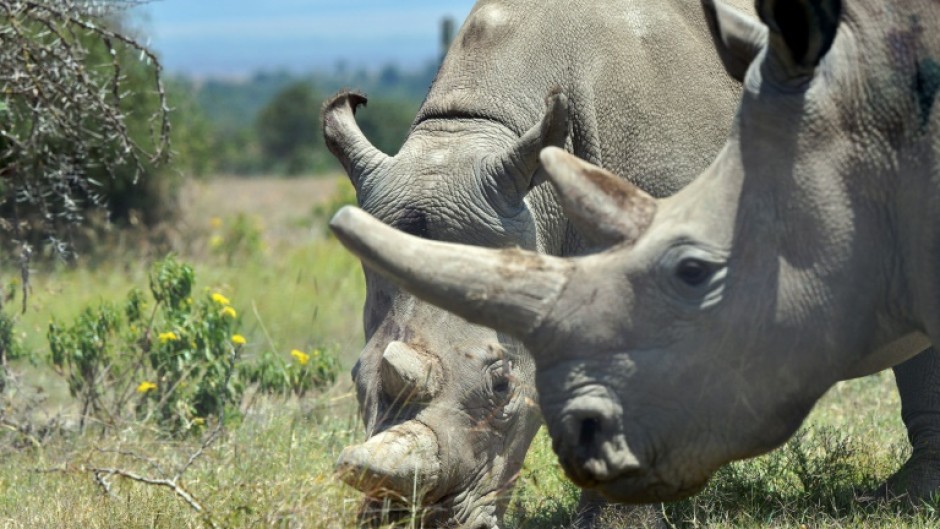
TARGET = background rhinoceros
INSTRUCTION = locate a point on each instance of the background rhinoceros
(450, 408)
(804, 255)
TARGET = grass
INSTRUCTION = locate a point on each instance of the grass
(297, 288)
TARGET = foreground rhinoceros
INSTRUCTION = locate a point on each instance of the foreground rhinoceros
(450, 408)
(806, 254)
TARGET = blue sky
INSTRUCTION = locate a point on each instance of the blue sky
(238, 37)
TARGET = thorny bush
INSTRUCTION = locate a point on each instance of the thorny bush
(82, 108)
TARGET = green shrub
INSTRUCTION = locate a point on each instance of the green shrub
(303, 373)
(240, 239)
(344, 194)
(173, 358)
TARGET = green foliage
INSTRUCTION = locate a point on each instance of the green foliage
(386, 122)
(271, 122)
(177, 363)
(11, 348)
(344, 194)
(85, 115)
(305, 372)
(289, 129)
(238, 240)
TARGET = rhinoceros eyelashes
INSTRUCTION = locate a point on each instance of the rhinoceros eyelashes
(694, 272)
(410, 375)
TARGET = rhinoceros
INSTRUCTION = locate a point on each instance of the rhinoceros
(708, 323)
(450, 408)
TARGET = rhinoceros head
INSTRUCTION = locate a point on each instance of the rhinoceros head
(716, 317)
(449, 406)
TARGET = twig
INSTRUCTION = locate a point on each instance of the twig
(214, 434)
(171, 484)
(174, 484)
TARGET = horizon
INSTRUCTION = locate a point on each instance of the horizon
(238, 38)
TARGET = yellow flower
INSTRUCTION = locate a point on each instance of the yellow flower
(145, 386)
(238, 339)
(302, 357)
(215, 241)
(230, 312)
(215, 222)
(220, 299)
(198, 421)
(168, 337)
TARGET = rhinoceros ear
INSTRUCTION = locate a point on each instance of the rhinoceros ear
(606, 209)
(346, 141)
(738, 37)
(508, 176)
(801, 32)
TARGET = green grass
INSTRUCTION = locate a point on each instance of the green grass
(300, 289)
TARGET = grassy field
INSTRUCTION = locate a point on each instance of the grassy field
(296, 288)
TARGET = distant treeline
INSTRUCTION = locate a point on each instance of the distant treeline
(270, 122)
(87, 145)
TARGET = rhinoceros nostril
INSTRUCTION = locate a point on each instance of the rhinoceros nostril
(590, 429)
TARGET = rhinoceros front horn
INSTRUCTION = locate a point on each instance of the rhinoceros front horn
(344, 138)
(508, 290)
(400, 462)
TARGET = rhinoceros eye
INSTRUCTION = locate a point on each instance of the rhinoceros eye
(694, 272)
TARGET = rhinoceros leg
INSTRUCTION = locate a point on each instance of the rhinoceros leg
(918, 382)
(594, 512)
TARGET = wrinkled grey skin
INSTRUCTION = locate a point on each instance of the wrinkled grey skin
(450, 408)
(715, 318)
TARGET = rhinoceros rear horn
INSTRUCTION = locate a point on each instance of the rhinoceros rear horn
(398, 463)
(511, 173)
(344, 138)
(509, 290)
(606, 209)
(410, 375)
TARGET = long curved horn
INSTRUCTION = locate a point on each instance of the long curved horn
(508, 290)
(517, 166)
(607, 209)
(397, 462)
(345, 139)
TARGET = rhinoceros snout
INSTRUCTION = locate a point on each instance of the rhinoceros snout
(590, 443)
(400, 462)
